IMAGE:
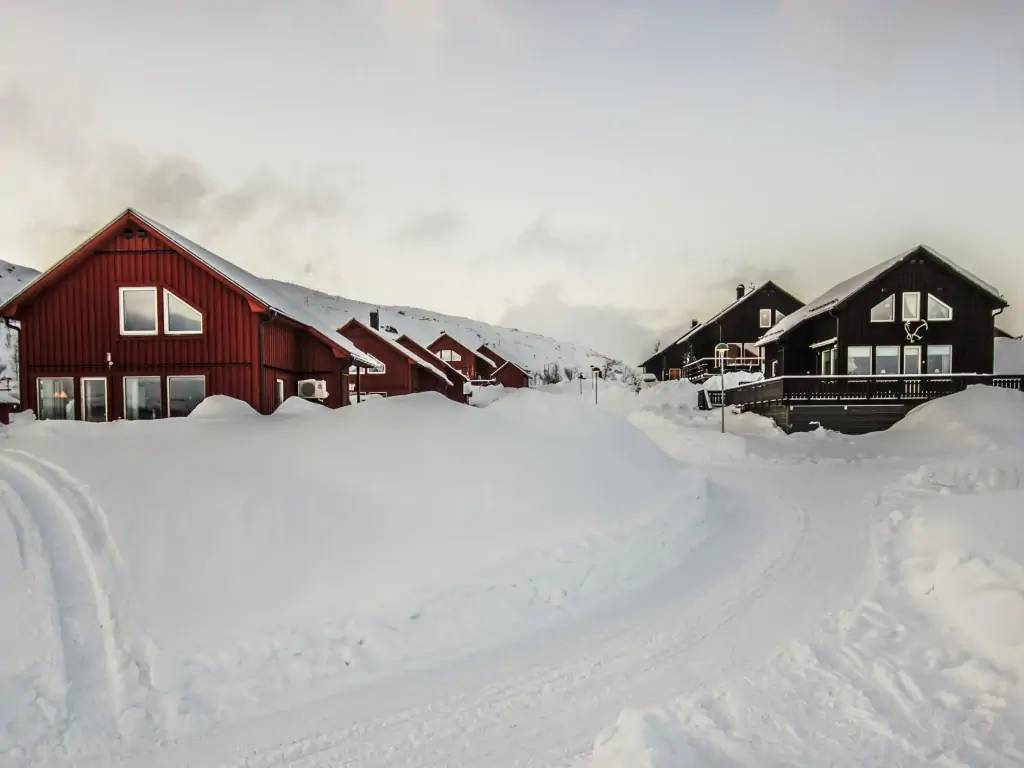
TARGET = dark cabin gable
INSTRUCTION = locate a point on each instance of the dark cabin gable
(822, 344)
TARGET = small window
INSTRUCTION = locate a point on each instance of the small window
(354, 369)
(940, 358)
(885, 310)
(279, 391)
(775, 368)
(765, 318)
(94, 399)
(938, 310)
(675, 373)
(911, 306)
(180, 317)
(142, 398)
(56, 398)
(184, 393)
(779, 315)
(450, 356)
(377, 370)
(912, 361)
(858, 361)
(138, 311)
(887, 360)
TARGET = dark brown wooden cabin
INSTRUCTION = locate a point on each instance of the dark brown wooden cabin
(739, 325)
(473, 364)
(865, 352)
(139, 322)
(507, 373)
(458, 389)
(402, 370)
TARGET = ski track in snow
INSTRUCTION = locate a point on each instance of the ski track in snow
(63, 531)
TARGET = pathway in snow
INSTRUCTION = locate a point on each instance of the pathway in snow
(63, 532)
(743, 592)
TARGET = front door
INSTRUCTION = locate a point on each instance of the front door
(94, 399)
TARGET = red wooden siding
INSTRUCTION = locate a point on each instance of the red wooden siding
(468, 364)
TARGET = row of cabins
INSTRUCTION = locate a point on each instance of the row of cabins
(139, 322)
(856, 358)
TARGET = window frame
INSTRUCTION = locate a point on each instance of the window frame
(870, 355)
(279, 394)
(898, 356)
(451, 352)
(903, 359)
(167, 316)
(39, 380)
(892, 311)
(903, 306)
(778, 316)
(761, 313)
(124, 395)
(947, 346)
(927, 313)
(156, 309)
(167, 390)
(84, 400)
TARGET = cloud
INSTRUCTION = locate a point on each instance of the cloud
(540, 240)
(432, 227)
(610, 330)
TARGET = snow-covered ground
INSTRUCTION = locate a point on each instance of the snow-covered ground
(541, 582)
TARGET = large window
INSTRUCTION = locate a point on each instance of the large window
(94, 399)
(911, 360)
(764, 317)
(138, 311)
(911, 306)
(142, 398)
(938, 309)
(184, 393)
(56, 398)
(885, 310)
(450, 356)
(940, 358)
(180, 317)
(887, 360)
(858, 361)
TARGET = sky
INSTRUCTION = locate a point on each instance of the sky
(597, 171)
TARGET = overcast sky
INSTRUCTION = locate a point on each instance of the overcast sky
(593, 170)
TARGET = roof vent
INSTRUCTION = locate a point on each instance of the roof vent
(740, 290)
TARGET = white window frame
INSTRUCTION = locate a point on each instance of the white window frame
(454, 356)
(761, 315)
(931, 298)
(950, 346)
(903, 359)
(779, 315)
(167, 316)
(892, 312)
(39, 380)
(106, 396)
(775, 368)
(156, 310)
(871, 359)
(279, 395)
(874, 360)
(375, 371)
(124, 394)
(167, 389)
(903, 305)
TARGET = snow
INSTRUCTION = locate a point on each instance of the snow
(393, 343)
(1009, 356)
(542, 581)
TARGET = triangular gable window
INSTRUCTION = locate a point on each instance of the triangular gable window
(938, 309)
(885, 310)
(180, 317)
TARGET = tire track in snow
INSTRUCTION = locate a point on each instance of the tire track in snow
(57, 517)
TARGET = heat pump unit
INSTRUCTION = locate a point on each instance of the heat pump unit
(313, 389)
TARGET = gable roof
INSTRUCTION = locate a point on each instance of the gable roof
(694, 330)
(476, 352)
(403, 350)
(845, 290)
(502, 361)
(406, 341)
(254, 287)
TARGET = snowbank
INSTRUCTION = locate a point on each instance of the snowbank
(228, 564)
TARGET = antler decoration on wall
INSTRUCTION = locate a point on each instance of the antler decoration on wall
(917, 333)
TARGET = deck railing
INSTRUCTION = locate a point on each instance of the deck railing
(706, 367)
(858, 389)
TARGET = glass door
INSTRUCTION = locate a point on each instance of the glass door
(911, 361)
(94, 399)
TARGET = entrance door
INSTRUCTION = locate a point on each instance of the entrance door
(94, 399)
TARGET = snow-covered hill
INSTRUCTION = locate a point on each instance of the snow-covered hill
(13, 278)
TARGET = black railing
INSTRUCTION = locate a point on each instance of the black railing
(706, 367)
(860, 389)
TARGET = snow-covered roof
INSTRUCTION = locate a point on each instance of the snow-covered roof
(460, 342)
(401, 349)
(840, 292)
(501, 360)
(410, 343)
(258, 288)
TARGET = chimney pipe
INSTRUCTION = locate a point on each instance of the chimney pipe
(740, 290)
(694, 323)
(375, 319)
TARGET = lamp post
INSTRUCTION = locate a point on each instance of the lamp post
(595, 374)
(720, 352)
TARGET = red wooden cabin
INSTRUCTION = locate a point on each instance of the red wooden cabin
(473, 364)
(139, 322)
(457, 390)
(507, 373)
(402, 370)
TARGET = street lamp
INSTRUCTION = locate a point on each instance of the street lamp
(720, 352)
